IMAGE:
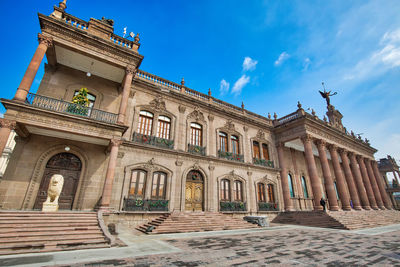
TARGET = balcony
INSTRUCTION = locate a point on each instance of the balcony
(265, 206)
(51, 104)
(230, 156)
(153, 141)
(199, 150)
(232, 206)
(263, 162)
(132, 204)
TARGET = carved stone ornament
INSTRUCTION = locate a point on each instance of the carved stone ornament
(229, 125)
(158, 103)
(130, 70)
(121, 155)
(48, 41)
(232, 173)
(182, 109)
(260, 134)
(245, 128)
(178, 163)
(196, 166)
(306, 138)
(4, 123)
(211, 167)
(132, 93)
(196, 114)
(115, 142)
(150, 164)
(210, 117)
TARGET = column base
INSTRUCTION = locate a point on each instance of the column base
(366, 207)
(346, 208)
(382, 208)
(105, 208)
(357, 208)
(289, 209)
(375, 208)
(334, 208)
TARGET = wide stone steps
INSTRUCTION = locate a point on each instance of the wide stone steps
(28, 232)
(348, 220)
(182, 222)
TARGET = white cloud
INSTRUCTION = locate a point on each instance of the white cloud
(249, 64)
(282, 57)
(240, 83)
(223, 87)
(306, 64)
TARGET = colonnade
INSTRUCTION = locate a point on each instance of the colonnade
(358, 180)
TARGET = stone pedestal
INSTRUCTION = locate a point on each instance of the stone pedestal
(335, 117)
(50, 207)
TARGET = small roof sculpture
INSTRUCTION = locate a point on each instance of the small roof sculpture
(326, 95)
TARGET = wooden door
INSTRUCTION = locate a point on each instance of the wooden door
(69, 166)
(194, 192)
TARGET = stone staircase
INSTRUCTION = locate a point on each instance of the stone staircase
(346, 220)
(183, 222)
(28, 232)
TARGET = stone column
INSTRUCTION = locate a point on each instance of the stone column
(367, 184)
(284, 178)
(129, 73)
(350, 180)
(212, 196)
(251, 199)
(341, 184)
(6, 127)
(312, 171)
(360, 185)
(330, 188)
(211, 149)
(382, 189)
(26, 83)
(108, 183)
(374, 185)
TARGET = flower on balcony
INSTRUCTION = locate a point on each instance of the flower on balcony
(81, 98)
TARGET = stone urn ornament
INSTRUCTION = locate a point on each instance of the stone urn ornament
(53, 193)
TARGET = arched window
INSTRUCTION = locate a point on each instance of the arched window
(196, 134)
(256, 150)
(265, 151)
(237, 190)
(164, 126)
(235, 144)
(261, 192)
(271, 196)
(291, 188)
(138, 184)
(223, 142)
(159, 185)
(225, 190)
(304, 185)
(145, 122)
(90, 97)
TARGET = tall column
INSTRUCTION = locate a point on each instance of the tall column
(350, 180)
(340, 182)
(382, 189)
(330, 188)
(129, 72)
(360, 185)
(367, 183)
(30, 73)
(312, 170)
(108, 184)
(374, 185)
(6, 127)
(284, 178)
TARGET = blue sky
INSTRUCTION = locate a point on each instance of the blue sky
(268, 54)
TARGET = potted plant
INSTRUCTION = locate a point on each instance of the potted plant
(80, 103)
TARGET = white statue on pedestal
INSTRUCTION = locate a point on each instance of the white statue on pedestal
(53, 193)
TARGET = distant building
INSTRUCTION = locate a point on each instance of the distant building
(145, 144)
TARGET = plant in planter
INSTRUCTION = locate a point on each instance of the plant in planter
(80, 103)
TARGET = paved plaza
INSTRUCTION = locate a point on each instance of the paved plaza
(274, 246)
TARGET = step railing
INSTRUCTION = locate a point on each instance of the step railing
(232, 206)
(51, 104)
(267, 206)
(138, 204)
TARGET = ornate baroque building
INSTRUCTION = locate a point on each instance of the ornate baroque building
(145, 144)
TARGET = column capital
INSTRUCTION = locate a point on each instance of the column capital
(4, 123)
(359, 157)
(306, 138)
(130, 70)
(332, 147)
(46, 40)
(280, 144)
(115, 142)
(320, 142)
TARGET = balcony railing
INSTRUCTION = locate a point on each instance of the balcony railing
(230, 156)
(263, 162)
(232, 206)
(137, 204)
(152, 140)
(266, 206)
(65, 107)
(196, 149)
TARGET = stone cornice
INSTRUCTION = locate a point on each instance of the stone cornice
(58, 29)
(244, 118)
(128, 146)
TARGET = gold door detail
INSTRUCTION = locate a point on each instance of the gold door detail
(194, 192)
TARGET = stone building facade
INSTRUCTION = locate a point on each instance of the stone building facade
(147, 145)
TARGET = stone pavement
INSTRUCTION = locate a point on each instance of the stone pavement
(274, 246)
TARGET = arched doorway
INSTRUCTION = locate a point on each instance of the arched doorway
(69, 166)
(194, 191)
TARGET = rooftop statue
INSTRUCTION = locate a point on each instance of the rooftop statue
(326, 95)
(107, 21)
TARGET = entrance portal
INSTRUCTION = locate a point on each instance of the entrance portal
(69, 166)
(194, 191)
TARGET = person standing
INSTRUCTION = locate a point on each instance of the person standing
(323, 203)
